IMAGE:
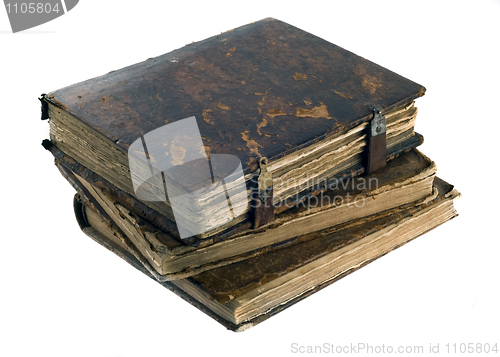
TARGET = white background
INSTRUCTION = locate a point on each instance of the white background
(64, 295)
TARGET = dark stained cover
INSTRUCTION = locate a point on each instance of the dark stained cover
(263, 89)
(230, 281)
(236, 279)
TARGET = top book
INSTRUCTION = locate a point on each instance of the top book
(264, 90)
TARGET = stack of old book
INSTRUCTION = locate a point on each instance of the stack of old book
(249, 170)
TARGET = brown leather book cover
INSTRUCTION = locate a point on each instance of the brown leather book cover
(266, 89)
(263, 89)
(222, 292)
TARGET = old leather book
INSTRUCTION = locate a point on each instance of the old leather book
(263, 90)
(245, 293)
(406, 180)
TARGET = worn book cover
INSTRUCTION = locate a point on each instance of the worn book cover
(186, 132)
(245, 293)
(406, 180)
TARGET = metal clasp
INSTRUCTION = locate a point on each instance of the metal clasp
(265, 180)
(378, 122)
(377, 142)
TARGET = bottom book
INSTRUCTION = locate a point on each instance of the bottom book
(245, 293)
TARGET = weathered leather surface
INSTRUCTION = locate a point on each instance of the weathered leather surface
(263, 89)
(231, 281)
(239, 281)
